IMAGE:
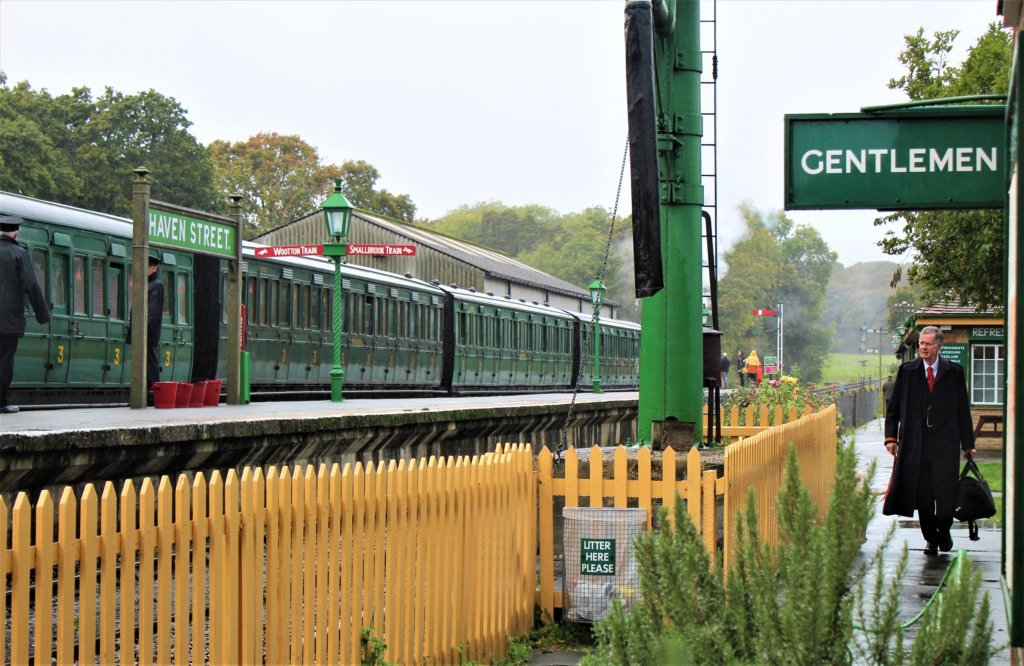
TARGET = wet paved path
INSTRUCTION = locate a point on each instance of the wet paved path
(923, 573)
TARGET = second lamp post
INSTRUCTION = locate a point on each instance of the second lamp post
(338, 217)
(597, 290)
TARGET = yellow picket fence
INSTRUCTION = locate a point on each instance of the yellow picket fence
(738, 422)
(758, 462)
(437, 556)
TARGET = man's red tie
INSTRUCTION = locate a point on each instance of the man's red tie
(931, 378)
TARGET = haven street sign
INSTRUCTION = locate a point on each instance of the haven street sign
(928, 158)
(382, 250)
(289, 250)
(174, 229)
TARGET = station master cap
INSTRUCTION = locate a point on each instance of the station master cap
(10, 223)
(154, 260)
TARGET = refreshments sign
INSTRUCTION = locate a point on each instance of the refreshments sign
(938, 158)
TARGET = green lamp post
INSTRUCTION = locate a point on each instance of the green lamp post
(338, 217)
(597, 290)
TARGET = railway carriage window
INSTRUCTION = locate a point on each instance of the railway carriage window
(314, 308)
(97, 288)
(59, 280)
(304, 308)
(80, 305)
(462, 328)
(114, 283)
(182, 303)
(250, 300)
(369, 314)
(294, 320)
(262, 297)
(273, 306)
(39, 266)
(167, 279)
(283, 306)
(326, 318)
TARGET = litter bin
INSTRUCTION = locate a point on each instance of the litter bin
(599, 560)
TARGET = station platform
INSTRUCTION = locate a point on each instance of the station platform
(42, 448)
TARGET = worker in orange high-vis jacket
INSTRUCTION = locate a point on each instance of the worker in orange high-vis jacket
(754, 368)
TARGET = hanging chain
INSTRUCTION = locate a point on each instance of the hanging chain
(584, 354)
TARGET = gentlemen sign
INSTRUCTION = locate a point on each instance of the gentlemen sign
(174, 229)
(597, 557)
(908, 160)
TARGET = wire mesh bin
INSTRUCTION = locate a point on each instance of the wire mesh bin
(599, 561)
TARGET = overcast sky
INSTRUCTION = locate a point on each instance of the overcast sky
(457, 102)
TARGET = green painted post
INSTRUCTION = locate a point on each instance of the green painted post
(671, 349)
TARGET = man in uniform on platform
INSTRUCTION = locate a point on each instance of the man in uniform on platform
(927, 424)
(155, 296)
(17, 280)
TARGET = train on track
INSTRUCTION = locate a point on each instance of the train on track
(400, 335)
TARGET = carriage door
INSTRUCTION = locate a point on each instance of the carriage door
(60, 311)
(88, 359)
(176, 335)
(33, 354)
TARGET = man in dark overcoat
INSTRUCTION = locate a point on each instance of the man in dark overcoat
(927, 425)
(155, 296)
(17, 281)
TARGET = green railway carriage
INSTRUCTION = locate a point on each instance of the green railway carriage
(504, 345)
(81, 260)
(390, 326)
(400, 335)
(619, 354)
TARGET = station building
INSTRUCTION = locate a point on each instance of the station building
(976, 339)
(447, 260)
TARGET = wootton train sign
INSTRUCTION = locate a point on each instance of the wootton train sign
(933, 158)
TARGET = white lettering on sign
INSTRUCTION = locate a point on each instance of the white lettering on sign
(987, 332)
(597, 557)
(961, 159)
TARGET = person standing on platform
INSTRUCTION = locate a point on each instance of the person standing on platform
(726, 364)
(741, 364)
(17, 280)
(155, 296)
(754, 368)
(927, 425)
(887, 386)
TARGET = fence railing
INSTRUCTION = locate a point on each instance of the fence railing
(749, 421)
(637, 479)
(437, 556)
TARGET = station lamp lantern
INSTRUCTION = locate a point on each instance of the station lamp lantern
(338, 217)
(337, 212)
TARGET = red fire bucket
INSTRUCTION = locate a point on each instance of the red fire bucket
(198, 394)
(164, 394)
(212, 393)
(184, 394)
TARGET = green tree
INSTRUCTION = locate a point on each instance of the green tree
(361, 190)
(78, 150)
(776, 261)
(279, 177)
(955, 252)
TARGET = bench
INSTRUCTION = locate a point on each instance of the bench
(995, 420)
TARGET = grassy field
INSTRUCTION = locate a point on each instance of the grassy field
(845, 368)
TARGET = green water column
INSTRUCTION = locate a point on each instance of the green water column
(671, 351)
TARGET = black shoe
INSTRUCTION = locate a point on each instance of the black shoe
(9, 409)
(946, 544)
(931, 550)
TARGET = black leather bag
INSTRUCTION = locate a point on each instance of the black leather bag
(974, 500)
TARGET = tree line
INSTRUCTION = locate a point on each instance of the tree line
(79, 149)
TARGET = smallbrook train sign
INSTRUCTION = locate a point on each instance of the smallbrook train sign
(932, 158)
(205, 236)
